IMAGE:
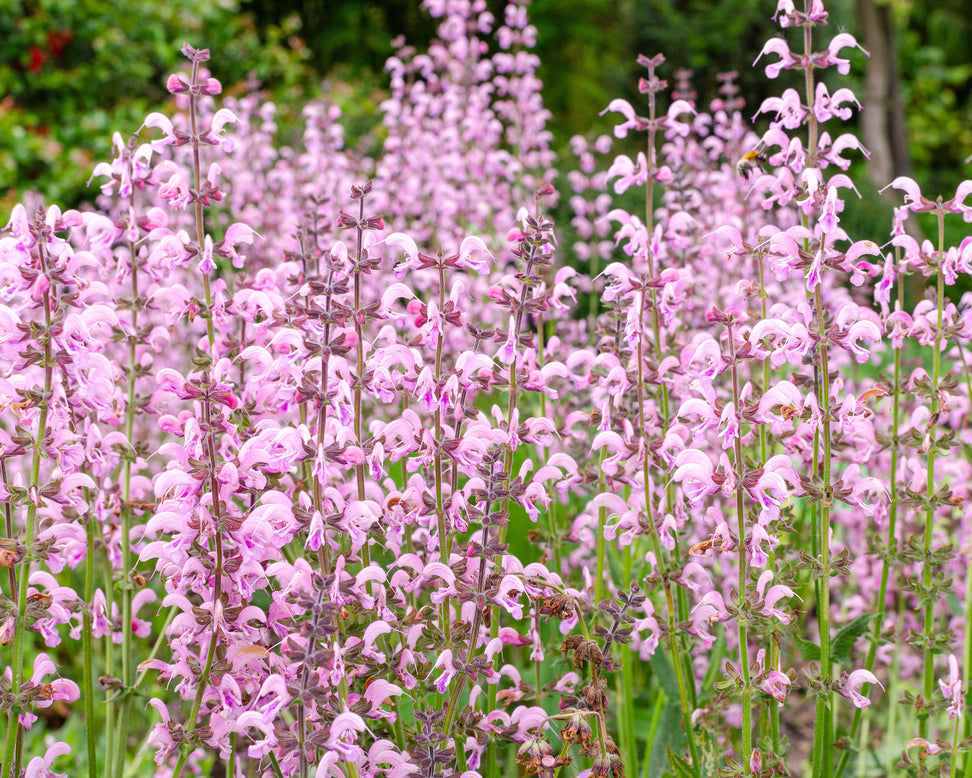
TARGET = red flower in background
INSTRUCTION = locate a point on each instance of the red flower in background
(58, 41)
(37, 57)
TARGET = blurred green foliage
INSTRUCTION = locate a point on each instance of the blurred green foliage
(708, 38)
(355, 33)
(586, 59)
(936, 62)
(73, 71)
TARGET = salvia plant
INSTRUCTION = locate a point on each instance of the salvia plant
(317, 462)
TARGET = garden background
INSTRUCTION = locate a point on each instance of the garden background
(307, 440)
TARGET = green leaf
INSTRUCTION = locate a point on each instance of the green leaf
(808, 650)
(708, 682)
(663, 669)
(650, 738)
(668, 735)
(848, 635)
(682, 768)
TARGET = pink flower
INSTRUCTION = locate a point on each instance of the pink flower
(252, 719)
(779, 47)
(507, 353)
(162, 122)
(840, 41)
(773, 595)
(710, 610)
(344, 734)
(614, 443)
(865, 329)
(378, 693)
(827, 106)
(925, 749)
(43, 766)
(400, 242)
(58, 689)
(776, 684)
(236, 234)
(214, 135)
(914, 199)
(444, 662)
(675, 127)
(790, 113)
(952, 689)
(853, 684)
(473, 246)
(694, 471)
(632, 120)
(176, 84)
(176, 190)
(206, 262)
(755, 762)
(787, 15)
(957, 203)
(628, 173)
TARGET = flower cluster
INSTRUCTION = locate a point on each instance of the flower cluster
(326, 455)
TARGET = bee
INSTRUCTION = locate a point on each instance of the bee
(752, 160)
(699, 549)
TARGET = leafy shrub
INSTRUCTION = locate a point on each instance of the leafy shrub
(73, 70)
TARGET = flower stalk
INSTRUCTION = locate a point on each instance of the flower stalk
(928, 569)
(12, 755)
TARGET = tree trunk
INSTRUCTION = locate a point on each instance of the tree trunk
(882, 118)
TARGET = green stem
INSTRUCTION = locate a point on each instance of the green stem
(324, 554)
(955, 756)
(891, 752)
(203, 682)
(128, 664)
(190, 727)
(231, 762)
(445, 616)
(87, 645)
(8, 525)
(747, 690)
(12, 573)
(677, 603)
(681, 601)
(822, 766)
(196, 705)
(108, 647)
(629, 744)
(542, 454)
(773, 709)
(198, 205)
(601, 523)
(926, 572)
